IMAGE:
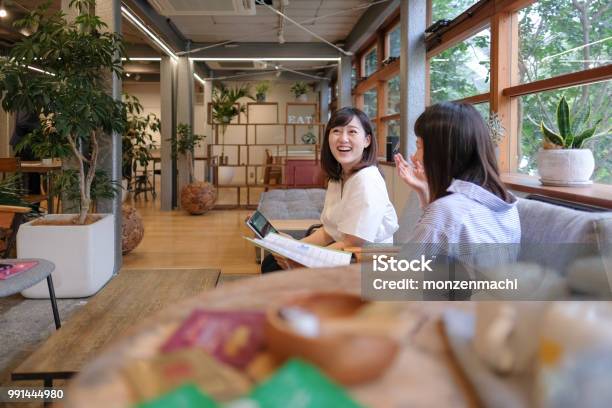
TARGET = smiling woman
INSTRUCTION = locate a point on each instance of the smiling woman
(357, 209)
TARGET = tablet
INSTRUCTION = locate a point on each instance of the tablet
(260, 225)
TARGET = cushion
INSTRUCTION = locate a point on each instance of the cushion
(292, 204)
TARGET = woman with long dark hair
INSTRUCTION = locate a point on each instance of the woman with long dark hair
(455, 175)
(357, 209)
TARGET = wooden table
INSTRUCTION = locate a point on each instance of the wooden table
(130, 297)
(422, 375)
(38, 167)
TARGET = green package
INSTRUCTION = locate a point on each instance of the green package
(185, 396)
(298, 384)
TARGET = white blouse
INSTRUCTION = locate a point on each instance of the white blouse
(361, 208)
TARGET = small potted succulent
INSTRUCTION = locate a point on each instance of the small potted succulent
(299, 90)
(563, 160)
(197, 197)
(260, 91)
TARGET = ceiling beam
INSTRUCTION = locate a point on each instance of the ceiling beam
(266, 50)
(369, 22)
(161, 25)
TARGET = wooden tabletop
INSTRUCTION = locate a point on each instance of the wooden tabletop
(422, 375)
(126, 300)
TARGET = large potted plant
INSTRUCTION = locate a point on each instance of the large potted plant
(225, 108)
(299, 90)
(76, 58)
(197, 197)
(563, 160)
(137, 140)
(46, 144)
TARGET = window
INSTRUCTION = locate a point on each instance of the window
(393, 95)
(563, 36)
(353, 76)
(483, 108)
(370, 62)
(393, 42)
(542, 106)
(449, 9)
(462, 70)
(370, 103)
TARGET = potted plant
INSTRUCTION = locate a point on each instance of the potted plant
(224, 110)
(197, 197)
(309, 137)
(137, 140)
(563, 160)
(46, 144)
(76, 58)
(299, 90)
(260, 91)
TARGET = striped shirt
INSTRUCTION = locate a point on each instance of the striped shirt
(470, 215)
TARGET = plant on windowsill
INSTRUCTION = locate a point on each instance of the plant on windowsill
(197, 197)
(309, 137)
(563, 160)
(299, 90)
(76, 58)
(260, 91)
(224, 109)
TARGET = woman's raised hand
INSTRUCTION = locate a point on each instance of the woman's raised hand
(413, 173)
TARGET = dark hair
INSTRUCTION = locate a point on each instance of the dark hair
(342, 117)
(457, 145)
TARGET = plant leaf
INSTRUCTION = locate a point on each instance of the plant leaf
(551, 136)
(584, 136)
(563, 119)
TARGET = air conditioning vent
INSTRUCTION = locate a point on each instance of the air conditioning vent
(204, 8)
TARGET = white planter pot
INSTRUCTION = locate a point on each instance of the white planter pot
(226, 175)
(47, 162)
(84, 255)
(302, 98)
(565, 166)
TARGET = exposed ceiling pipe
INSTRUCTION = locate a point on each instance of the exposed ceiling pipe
(315, 35)
(281, 23)
(281, 68)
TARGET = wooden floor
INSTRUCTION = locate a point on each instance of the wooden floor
(176, 239)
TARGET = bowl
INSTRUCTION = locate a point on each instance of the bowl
(348, 356)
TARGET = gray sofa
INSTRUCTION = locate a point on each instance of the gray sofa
(292, 204)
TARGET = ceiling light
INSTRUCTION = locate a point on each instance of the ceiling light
(142, 59)
(281, 38)
(268, 59)
(3, 12)
(127, 74)
(136, 21)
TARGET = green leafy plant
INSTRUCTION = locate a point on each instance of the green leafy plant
(45, 142)
(77, 58)
(299, 88)
(11, 192)
(137, 140)
(184, 144)
(309, 137)
(572, 133)
(224, 109)
(261, 89)
(66, 189)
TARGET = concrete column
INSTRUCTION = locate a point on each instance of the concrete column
(167, 89)
(344, 82)
(413, 21)
(110, 147)
(324, 99)
(209, 129)
(184, 110)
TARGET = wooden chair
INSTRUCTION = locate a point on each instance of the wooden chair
(10, 165)
(272, 171)
(11, 217)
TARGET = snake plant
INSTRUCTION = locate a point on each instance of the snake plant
(572, 133)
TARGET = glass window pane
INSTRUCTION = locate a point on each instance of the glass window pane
(370, 62)
(370, 103)
(393, 95)
(542, 106)
(563, 36)
(483, 108)
(394, 42)
(462, 70)
(353, 76)
(449, 9)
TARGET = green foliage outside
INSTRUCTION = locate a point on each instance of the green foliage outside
(553, 36)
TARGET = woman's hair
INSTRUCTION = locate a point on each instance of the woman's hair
(342, 117)
(457, 145)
